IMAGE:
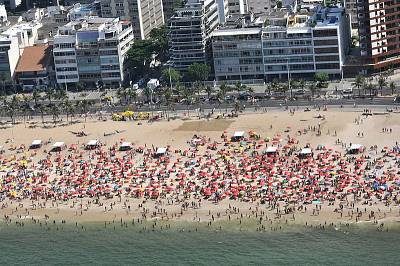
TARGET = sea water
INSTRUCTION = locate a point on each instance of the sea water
(197, 244)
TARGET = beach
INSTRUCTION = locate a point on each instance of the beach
(205, 176)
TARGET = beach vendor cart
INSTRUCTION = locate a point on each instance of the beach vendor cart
(36, 144)
(160, 152)
(93, 144)
(59, 146)
(238, 136)
(354, 149)
(306, 153)
(126, 146)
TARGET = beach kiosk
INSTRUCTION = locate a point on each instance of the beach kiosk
(59, 146)
(271, 150)
(160, 152)
(36, 144)
(126, 146)
(238, 136)
(355, 148)
(305, 153)
(93, 144)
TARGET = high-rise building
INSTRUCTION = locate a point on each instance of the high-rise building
(144, 14)
(92, 51)
(283, 44)
(189, 32)
(379, 33)
(351, 9)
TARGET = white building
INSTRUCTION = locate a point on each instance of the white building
(295, 45)
(144, 14)
(92, 51)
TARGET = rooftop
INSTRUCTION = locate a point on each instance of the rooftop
(35, 58)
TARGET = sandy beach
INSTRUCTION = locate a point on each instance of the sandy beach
(216, 179)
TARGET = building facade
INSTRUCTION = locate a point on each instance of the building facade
(144, 14)
(92, 51)
(379, 34)
(285, 45)
(189, 33)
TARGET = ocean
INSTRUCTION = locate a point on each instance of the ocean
(291, 245)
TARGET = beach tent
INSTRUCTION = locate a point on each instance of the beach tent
(37, 143)
(59, 146)
(160, 152)
(126, 146)
(355, 148)
(305, 152)
(239, 135)
(271, 150)
(196, 142)
(93, 144)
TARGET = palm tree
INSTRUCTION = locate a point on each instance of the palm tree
(313, 88)
(168, 97)
(49, 93)
(381, 84)
(36, 96)
(369, 86)
(5, 78)
(26, 111)
(275, 85)
(293, 86)
(66, 106)
(198, 87)
(178, 91)
(84, 105)
(358, 83)
(209, 90)
(131, 94)
(71, 111)
(392, 87)
(60, 94)
(120, 95)
(268, 89)
(42, 110)
(238, 108)
(147, 92)
(239, 87)
(55, 112)
(224, 89)
(11, 111)
(187, 94)
(302, 84)
(220, 98)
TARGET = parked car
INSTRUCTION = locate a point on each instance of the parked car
(107, 98)
(244, 95)
(230, 98)
(300, 92)
(348, 91)
(396, 99)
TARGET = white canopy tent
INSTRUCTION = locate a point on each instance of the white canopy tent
(238, 134)
(271, 149)
(93, 142)
(355, 146)
(36, 142)
(161, 151)
(306, 151)
(58, 144)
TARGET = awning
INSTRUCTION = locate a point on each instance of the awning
(197, 141)
(161, 150)
(239, 134)
(126, 144)
(58, 144)
(271, 149)
(93, 142)
(37, 142)
(306, 151)
(355, 146)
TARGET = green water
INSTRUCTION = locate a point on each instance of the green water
(296, 245)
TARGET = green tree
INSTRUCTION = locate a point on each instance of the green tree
(275, 85)
(392, 87)
(80, 85)
(381, 84)
(49, 93)
(42, 110)
(71, 111)
(198, 87)
(84, 105)
(197, 71)
(55, 112)
(139, 53)
(370, 87)
(175, 75)
(279, 4)
(239, 87)
(321, 78)
(147, 92)
(187, 94)
(313, 88)
(36, 97)
(302, 84)
(159, 36)
(224, 89)
(5, 78)
(26, 112)
(132, 94)
(120, 95)
(209, 90)
(358, 83)
(66, 104)
(60, 94)
(238, 108)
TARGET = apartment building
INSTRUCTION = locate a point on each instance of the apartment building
(351, 9)
(379, 34)
(189, 32)
(144, 14)
(92, 50)
(282, 44)
(12, 44)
